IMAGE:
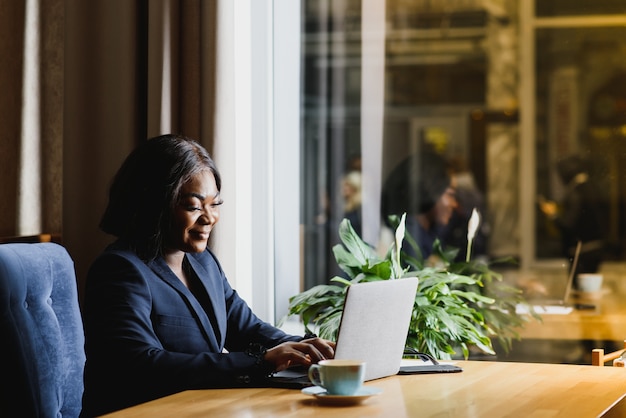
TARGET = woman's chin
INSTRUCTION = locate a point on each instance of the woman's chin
(197, 246)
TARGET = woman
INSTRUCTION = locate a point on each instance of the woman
(159, 314)
(421, 186)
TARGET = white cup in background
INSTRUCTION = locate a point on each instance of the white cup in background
(589, 282)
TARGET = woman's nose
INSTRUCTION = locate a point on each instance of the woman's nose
(210, 215)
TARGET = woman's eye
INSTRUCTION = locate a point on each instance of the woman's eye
(217, 203)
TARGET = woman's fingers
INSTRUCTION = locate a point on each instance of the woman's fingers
(318, 349)
(327, 348)
(286, 354)
(305, 353)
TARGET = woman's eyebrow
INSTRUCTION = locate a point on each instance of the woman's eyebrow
(196, 195)
(201, 197)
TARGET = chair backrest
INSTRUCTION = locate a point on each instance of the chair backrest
(41, 332)
(43, 237)
(599, 358)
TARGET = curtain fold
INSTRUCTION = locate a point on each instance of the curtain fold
(181, 68)
(31, 105)
(82, 84)
(11, 49)
(134, 69)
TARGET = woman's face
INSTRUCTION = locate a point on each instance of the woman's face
(446, 204)
(196, 213)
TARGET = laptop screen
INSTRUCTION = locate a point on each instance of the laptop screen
(572, 272)
(375, 323)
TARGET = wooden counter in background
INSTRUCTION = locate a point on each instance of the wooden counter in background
(607, 322)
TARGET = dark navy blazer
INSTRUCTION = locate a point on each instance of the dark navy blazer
(148, 336)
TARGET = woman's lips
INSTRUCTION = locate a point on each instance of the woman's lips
(203, 235)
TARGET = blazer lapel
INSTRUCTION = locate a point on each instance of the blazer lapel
(166, 274)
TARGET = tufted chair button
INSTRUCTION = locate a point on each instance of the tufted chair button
(25, 305)
(49, 301)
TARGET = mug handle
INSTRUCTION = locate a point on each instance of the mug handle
(314, 374)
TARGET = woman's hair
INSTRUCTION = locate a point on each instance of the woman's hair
(415, 185)
(146, 190)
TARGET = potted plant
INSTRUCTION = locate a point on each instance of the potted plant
(453, 309)
(500, 318)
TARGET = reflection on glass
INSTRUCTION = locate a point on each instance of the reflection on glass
(580, 115)
(578, 8)
(452, 85)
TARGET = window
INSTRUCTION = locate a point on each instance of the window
(503, 93)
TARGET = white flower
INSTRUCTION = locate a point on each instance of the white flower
(472, 226)
(400, 232)
(397, 268)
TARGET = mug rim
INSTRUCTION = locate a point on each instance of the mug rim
(589, 274)
(340, 362)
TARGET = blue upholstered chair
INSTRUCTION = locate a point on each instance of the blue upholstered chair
(41, 332)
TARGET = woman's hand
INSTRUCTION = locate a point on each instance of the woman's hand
(305, 353)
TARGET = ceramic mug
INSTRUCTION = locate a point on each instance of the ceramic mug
(338, 377)
(589, 282)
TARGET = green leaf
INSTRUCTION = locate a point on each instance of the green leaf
(341, 280)
(361, 251)
(381, 269)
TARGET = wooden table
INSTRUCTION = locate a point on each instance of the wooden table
(605, 323)
(483, 389)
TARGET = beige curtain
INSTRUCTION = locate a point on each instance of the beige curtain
(82, 83)
(31, 111)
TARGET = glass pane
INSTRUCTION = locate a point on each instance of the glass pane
(453, 92)
(581, 104)
(451, 76)
(331, 129)
(435, 86)
(553, 8)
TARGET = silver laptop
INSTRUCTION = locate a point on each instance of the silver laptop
(559, 304)
(563, 299)
(375, 323)
(374, 327)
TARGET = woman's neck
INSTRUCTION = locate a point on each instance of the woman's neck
(175, 261)
(424, 221)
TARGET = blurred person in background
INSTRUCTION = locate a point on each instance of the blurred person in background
(351, 191)
(469, 197)
(422, 187)
(578, 215)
